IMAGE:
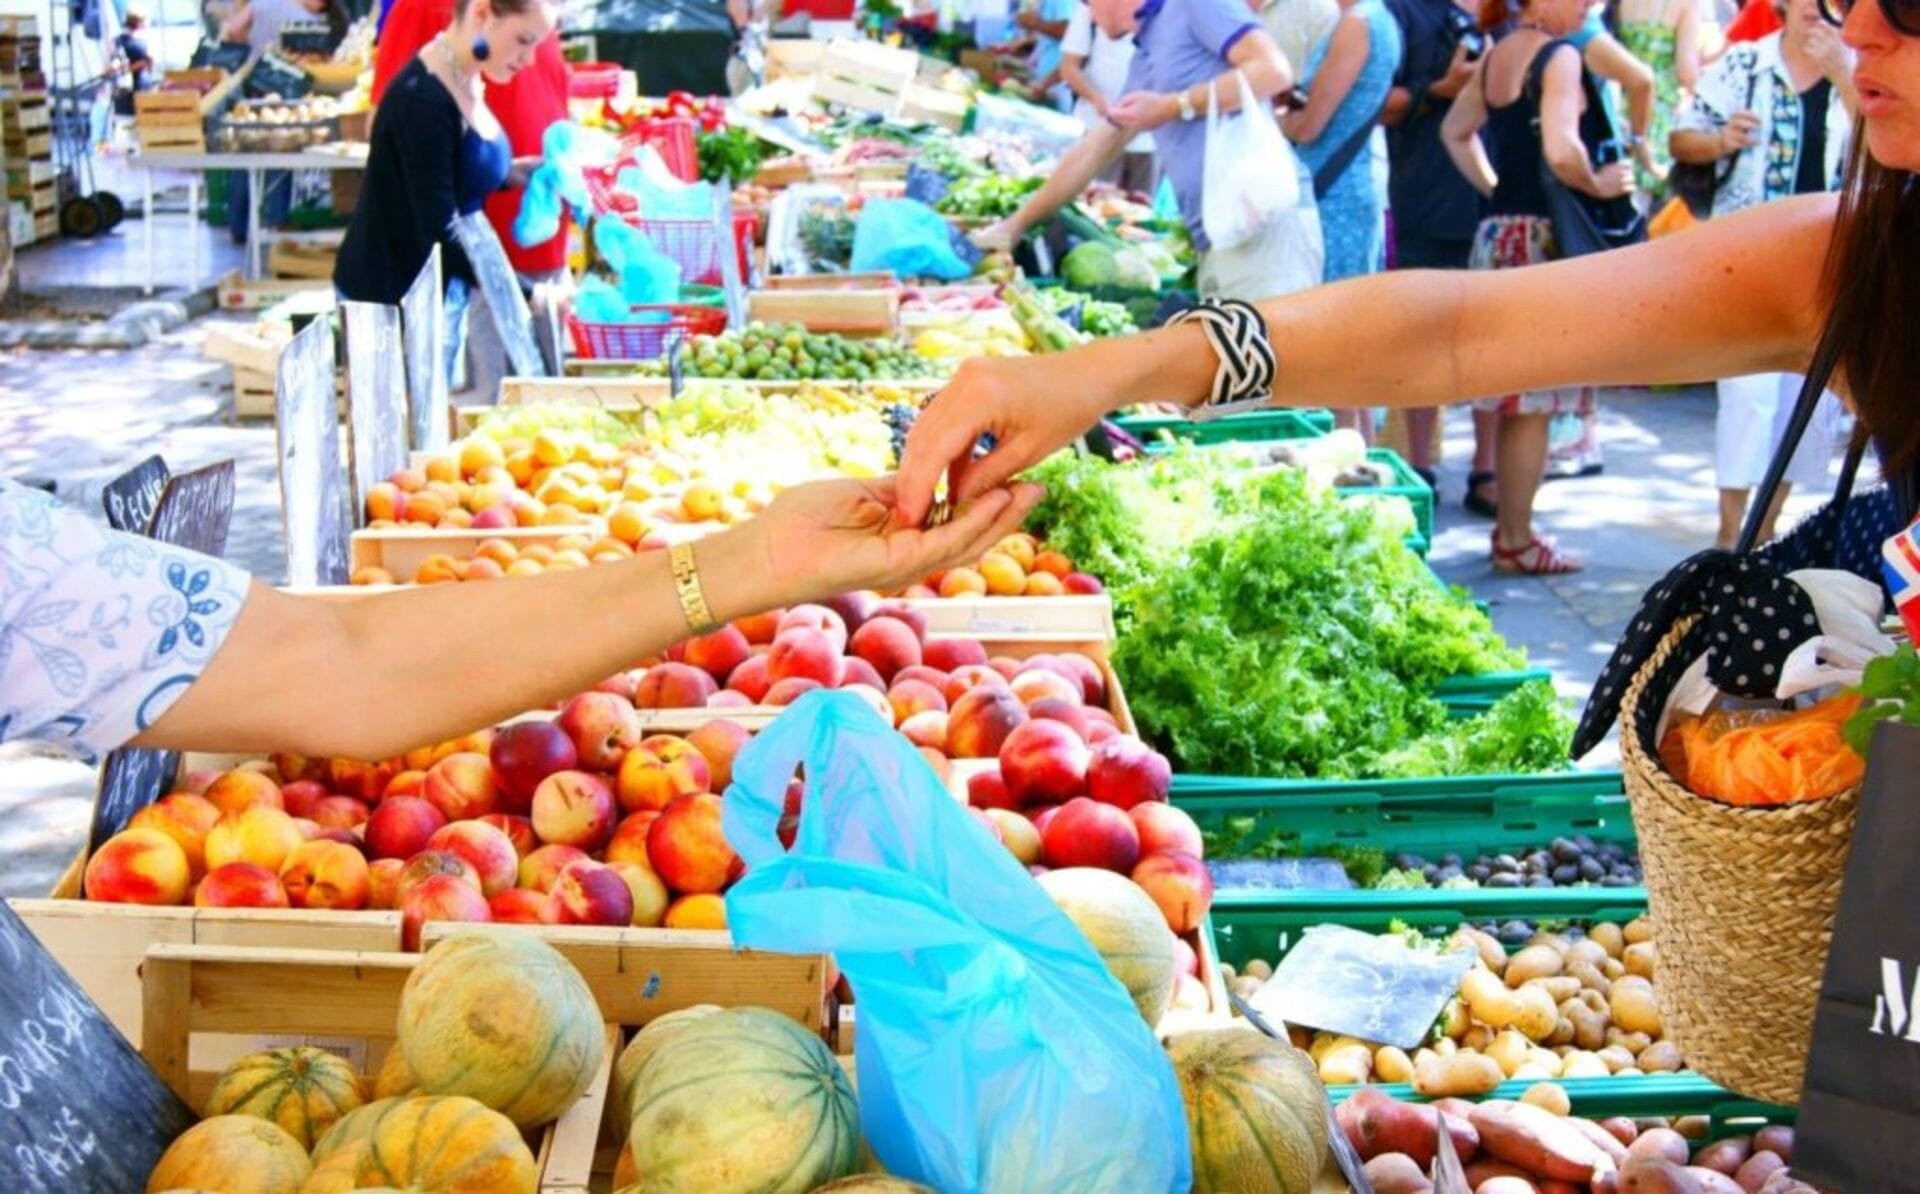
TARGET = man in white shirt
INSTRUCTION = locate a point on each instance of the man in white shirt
(1095, 64)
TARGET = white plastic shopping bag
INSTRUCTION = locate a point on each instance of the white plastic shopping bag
(1249, 177)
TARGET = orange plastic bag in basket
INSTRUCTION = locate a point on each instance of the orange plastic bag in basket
(1765, 757)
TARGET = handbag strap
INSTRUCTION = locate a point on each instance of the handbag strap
(1724, 171)
(1826, 356)
(1335, 167)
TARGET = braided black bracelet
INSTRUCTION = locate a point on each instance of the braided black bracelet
(1238, 334)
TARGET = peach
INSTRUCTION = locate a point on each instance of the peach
(525, 753)
(1081, 584)
(1044, 762)
(139, 866)
(804, 654)
(324, 874)
(299, 796)
(1003, 575)
(761, 628)
(592, 893)
(1007, 666)
(237, 790)
(261, 835)
(967, 677)
(1102, 731)
(674, 686)
(650, 895)
(659, 770)
(198, 781)
(855, 670)
(988, 789)
(719, 742)
(688, 849)
(407, 783)
(526, 568)
(186, 819)
(979, 722)
(951, 654)
(938, 763)
(293, 768)
(786, 692)
(621, 684)
(930, 729)
(1017, 833)
(700, 911)
(518, 906)
(1042, 817)
(1053, 564)
(1043, 584)
(1041, 684)
(1093, 682)
(1125, 772)
(904, 613)
(909, 697)
(854, 608)
(519, 831)
(477, 743)
(1185, 960)
(573, 808)
(383, 882)
(963, 582)
(815, 617)
(400, 827)
(888, 644)
(1087, 833)
(933, 678)
(240, 885)
(340, 812)
(751, 679)
(717, 654)
(603, 728)
(497, 517)
(629, 841)
(1071, 714)
(539, 869)
(409, 480)
(461, 786)
(1179, 884)
(987, 823)
(385, 500)
(439, 898)
(1165, 827)
(486, 849)
(362, 781)
(727, 698)
(919, 593)
(428, 863)
(483, 569)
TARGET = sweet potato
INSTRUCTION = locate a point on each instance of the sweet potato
(1458, 1108)
(1602, 1139)
(1385, 1125)
(1485, 1169)
(1506, 1185)
(1621, 1128)
(1347, 1114)
(1725, 1156)
(1785, 1183)
(1549, 1186)
(1459, 1074)
(1755, 1170)
(1652, 1175)
(1659, 1144)
(1397, 1173)
(1712, 1181)
(1775, 1138)
(1539, 1142)
(1605, 1183)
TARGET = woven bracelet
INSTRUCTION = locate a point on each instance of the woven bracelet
(1238, 334)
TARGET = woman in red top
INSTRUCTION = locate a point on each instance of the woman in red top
(526, 107)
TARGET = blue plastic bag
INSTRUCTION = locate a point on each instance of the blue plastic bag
(908, 238)
(996, 1053)
(646, 274)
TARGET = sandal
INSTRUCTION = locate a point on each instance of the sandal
(1430, 476)
(1477, 502)
(1538, 558)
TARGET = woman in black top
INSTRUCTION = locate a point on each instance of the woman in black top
(437, 151)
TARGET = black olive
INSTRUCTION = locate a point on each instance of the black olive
(1503, 879)
(1565, 850)
(1566, 875)
(1479, 871)
(1591, 870)
(1540, 881)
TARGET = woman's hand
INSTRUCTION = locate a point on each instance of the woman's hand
(831, 537)
(1613, 181)
(1012, 399)
(1740, 133)
(520, 172)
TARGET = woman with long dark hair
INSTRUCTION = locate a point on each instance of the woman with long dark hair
(1749, 293)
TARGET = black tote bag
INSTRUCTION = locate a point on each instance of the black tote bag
(1583, 224)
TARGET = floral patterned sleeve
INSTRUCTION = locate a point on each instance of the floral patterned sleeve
(100, 631)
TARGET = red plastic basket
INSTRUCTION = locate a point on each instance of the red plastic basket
(594, 80)
(673, 138)
(643, 341)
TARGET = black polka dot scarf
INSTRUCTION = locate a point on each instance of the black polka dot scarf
(1752, 615)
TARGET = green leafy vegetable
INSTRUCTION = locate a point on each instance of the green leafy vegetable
(1890, 685)
(732, 153)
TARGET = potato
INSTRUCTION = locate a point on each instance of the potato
(1588, 952)
(1775, 1138)
(1617, 1059)
(1693, 1127)
(1509, 1051)
(1659, 1144)
(1562, 986)
(1538, 1012)
(1490, 1000)
(1656, 1176)
(1562, 1031)
(1602, 1139)
(1461, 1074)
(1454, 1108)
(1397, 1173)
(1535, 961)
(1349, 1065)
(1712, 1181)
(1556, 942)
(1589, 976)
(1595, 1001)
(1550, 1097)
(1725, 1156)
(1545, 1057)
(1606, 1183)
(1661, 1057)
(1633, 1042)
(1637, 930)
(1621, 1128)
(1492, 954)
(1506, 1185)
(1608, 937)
(1633, 1006)
(1392, 1065)
(1589, 1027)
(1446, 1046)
(1755, 1170)
(1534, 1071)
(1477, 1038)
(1455, 1020)
(1327, 1042)
(1613, 968)
(1581, 1064)
(1260, 969)
(1245, 988)
(1539, 1142)
(1640, 959)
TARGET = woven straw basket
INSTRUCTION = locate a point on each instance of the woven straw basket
(1743, 902)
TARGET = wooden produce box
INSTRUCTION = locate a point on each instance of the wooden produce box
(254, 393)
(237, 293)
(864, 76)
(624, 393)
(170, 121)
(934, 105)
(401, 551)
(350, 1002)
(1062, 619)
(306, 260)
(848, 312)
(869, 280)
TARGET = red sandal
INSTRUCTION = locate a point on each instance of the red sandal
(1538, 558)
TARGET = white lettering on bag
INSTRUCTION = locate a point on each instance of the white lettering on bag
(1896, 1012)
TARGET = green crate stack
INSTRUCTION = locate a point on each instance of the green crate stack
(1252, 426)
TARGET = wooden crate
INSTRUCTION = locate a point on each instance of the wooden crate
(864, 75)
(848, 312)
(46, 226)
(40, 198)
(24, 176)
(630, 392)
(27, 113)
(256, 348)
(934, 105)
(174, 119)
(789, 57)
(349, 1001)
(237, 293)
(401, 552)
(869, 280)
(254, 391)
(20, 146)
(312, 261)
(1063, 619)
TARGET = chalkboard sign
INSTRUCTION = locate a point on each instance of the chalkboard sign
(132, 497)
(376, 397)
(313, 500)
(196, 510)
(505, 302)
(80, 1110)
(423, 331)
(1373, 988)
(130, 780)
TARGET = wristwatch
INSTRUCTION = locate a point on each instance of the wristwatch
(1186, 104)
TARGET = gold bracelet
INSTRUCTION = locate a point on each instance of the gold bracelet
(686, 582)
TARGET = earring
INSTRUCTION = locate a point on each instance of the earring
(481, 50)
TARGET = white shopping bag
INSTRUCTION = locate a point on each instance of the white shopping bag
(1249, 177)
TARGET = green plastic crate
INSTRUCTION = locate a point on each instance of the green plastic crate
(1257, 426)
(1470, 696)
(1257, 923)
(1641, 1096)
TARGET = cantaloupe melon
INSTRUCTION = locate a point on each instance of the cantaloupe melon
(433, 1145)
(1124, 927)
(874, 1183)
(394, 1078)
(743, 1099)
(302, 1089)
(641, 1047)
(234, 1154)
(1255, 1112)
(504, 1019)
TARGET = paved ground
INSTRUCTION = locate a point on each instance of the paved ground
(82, 418)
